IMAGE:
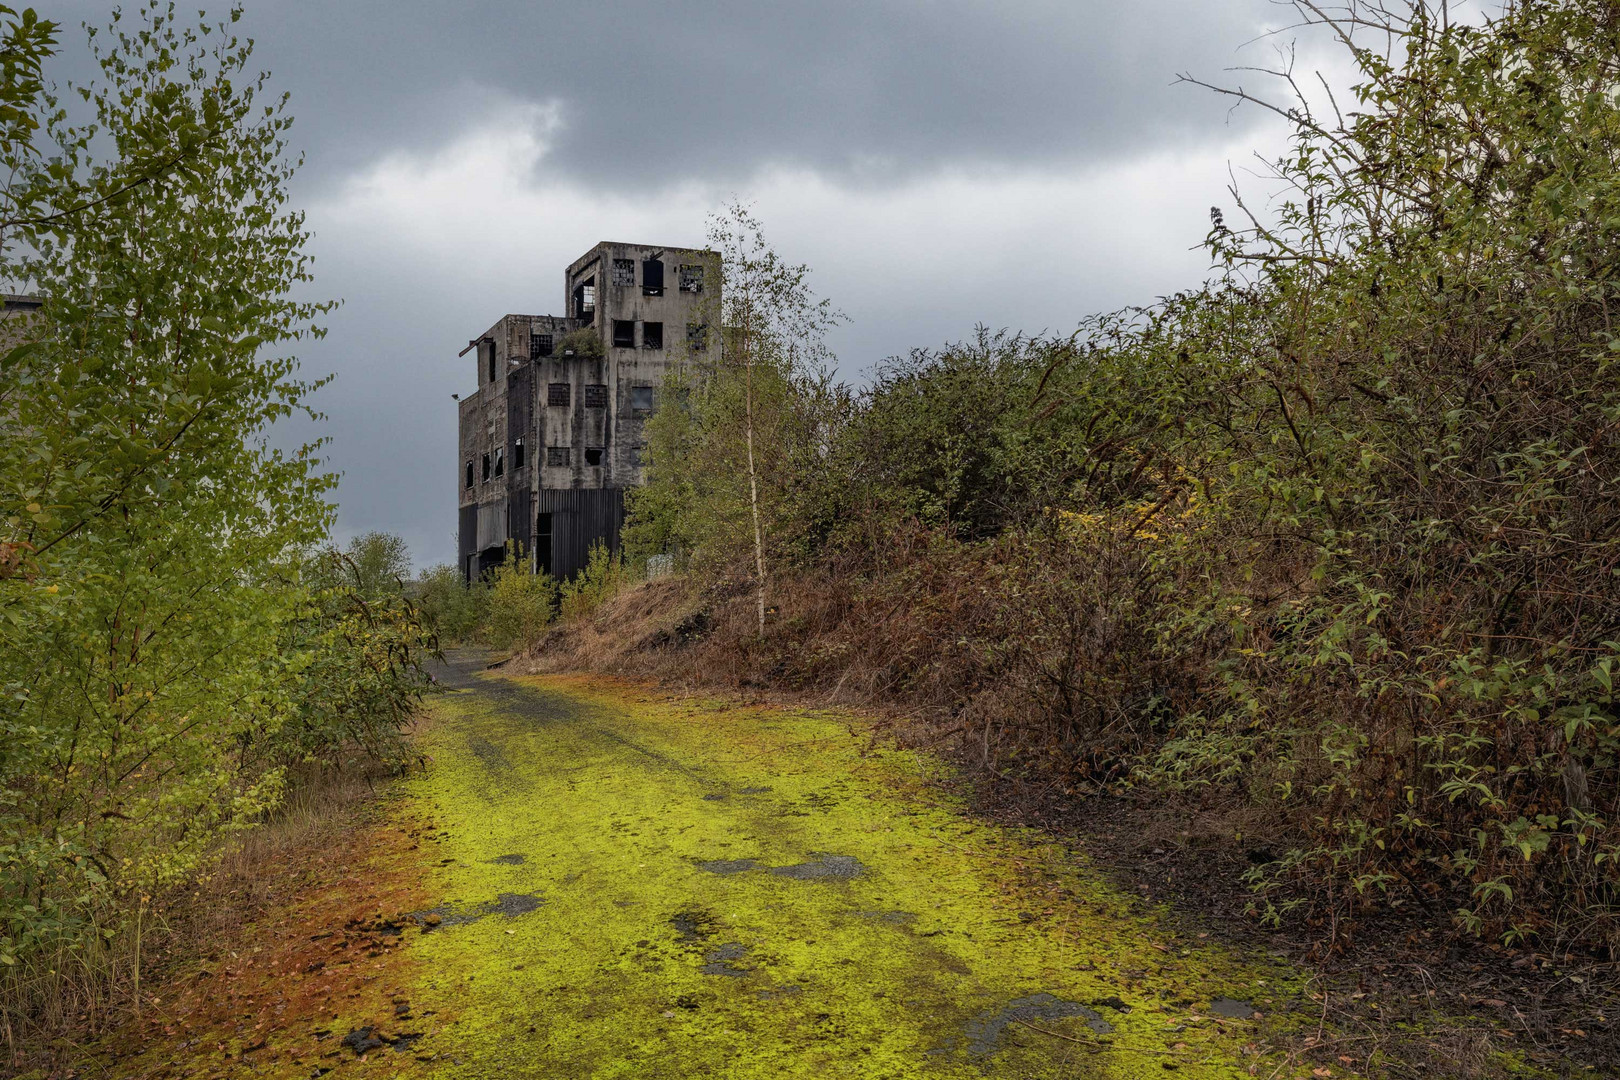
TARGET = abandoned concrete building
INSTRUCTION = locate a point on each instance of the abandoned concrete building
(553, 436)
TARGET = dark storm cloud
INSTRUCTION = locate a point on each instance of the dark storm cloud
(922, 155)
(653, 93)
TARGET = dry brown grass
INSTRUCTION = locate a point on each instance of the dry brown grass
(62, 1003)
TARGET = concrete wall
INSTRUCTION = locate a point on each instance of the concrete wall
(621, 297)
(579, 418)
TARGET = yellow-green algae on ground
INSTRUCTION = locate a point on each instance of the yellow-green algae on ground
(644, 888)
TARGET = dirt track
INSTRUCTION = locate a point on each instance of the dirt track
(637, 887)
(589, 879)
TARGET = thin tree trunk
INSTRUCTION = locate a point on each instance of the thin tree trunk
(753, 480)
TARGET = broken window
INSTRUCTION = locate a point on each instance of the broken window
(624, 271)
(539, 345)
(593, 455)
(652, 335)
(557, 455)
(697, 336)
(624, 333)
(652, 277)
(691, 279)
(500, 461)
(469, 473)
(585, 300)
(641, 398)
(486, 468)
(517, 454)
(557, 394)
(596, 396)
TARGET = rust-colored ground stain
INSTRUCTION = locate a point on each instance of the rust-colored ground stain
(281, 995)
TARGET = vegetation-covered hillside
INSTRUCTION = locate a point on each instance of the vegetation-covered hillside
(1336, 536)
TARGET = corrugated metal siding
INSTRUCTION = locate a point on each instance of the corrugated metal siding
(519, 422)
(520, 520)
(579, 518)
(492, 524)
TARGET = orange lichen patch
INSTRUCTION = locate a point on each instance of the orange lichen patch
(278, 996)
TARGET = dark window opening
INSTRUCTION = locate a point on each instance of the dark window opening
(641, 398)
(469, 473)
(556, 455)
(595, 396)
(486, 468)
(652, 277)
(585, 301)
(638, 456)
(492, 361)
(517, 454)
(539, 345)
(500, 461)
(593, 455)
(624, 334)
(697, 336)
(691, 279)
(557, 394)
(624, 271)
(542, 542)
(652, 335)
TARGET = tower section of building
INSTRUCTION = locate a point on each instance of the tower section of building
(554, 434)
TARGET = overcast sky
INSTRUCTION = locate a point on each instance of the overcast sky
(938, 163)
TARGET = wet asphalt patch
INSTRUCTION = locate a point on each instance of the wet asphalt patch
(821, 867)
(509, 904)
(984, 1034)
(364, 1040)
(1231, 1009)
(694, 925)
(723, 960)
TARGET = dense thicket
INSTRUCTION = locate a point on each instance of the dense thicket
(1337, 534)
(169, 644)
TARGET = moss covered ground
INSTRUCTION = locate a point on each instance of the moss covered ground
(589, 880)
(639, 887)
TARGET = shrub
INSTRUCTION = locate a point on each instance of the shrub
(601, 579)
(520, 604)
(454, 609)
(1335, 534)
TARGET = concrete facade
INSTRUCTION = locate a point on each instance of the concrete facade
(553, 435)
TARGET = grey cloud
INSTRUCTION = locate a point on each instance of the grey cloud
(659, 92)
(655, 94)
